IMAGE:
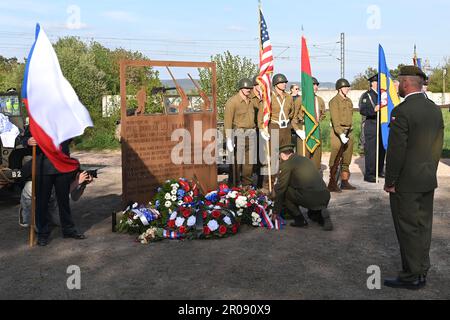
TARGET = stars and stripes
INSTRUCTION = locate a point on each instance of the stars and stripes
(265, 68)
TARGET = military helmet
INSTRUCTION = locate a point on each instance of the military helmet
(245, 83)
(342, 83)
(315, 81)
(255, 82)
(279, 78)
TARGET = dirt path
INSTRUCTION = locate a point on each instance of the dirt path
(254, 264)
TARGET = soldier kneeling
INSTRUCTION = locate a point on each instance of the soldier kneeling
(300, 184)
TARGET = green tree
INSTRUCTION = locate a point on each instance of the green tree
(230, 69)
(436, 82)
(360, 82)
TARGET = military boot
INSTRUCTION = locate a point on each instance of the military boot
(333, 187)
(345, 185)
(327, 224)
(299, 221)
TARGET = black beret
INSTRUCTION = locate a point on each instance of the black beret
(373, 78)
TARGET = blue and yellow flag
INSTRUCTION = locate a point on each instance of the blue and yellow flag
(387, 94)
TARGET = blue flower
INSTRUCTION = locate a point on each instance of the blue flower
(181, 193)
(157, 204)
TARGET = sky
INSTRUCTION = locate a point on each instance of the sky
(194, 30)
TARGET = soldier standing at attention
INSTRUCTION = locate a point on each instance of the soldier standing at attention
(300, 184)
(341, 111)
(239, 122)
(413, 154)
(369, 107)
(257, 103)
(282, 111)
(298, 122)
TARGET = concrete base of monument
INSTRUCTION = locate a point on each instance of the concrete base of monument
(254, 264)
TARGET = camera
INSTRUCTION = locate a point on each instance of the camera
(92, 173)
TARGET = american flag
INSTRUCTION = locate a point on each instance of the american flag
(265, 68)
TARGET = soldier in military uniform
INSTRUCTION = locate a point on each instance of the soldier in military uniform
(341, 111)
(282, 111)
(298, 125)
(413, 154)
(300, 184)
(239, 123)
(369, 107)
(257, 103)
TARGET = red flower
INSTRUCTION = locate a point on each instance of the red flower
(205, 214)
(234, 229)
(222, 229)
(188, 199)
(236, 189)
(216, 214)
(208, 203)
(206, 230)
(182, 229)
(184, 185)
(186, 212)
(195, 192)
(171, 223)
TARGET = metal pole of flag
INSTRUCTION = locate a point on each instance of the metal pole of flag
(377, 162)
(32, 238)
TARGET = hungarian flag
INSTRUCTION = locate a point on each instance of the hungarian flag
(312, 128)
(55, 112)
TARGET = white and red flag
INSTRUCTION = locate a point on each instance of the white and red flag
(56, 114)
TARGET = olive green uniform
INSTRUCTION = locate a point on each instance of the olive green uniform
(282, 109)
(239, 122)
(298, 124)
(300, 184)
(414, 149)
(257, 104)
(341, 112)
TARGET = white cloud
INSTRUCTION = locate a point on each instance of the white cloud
(122, 16)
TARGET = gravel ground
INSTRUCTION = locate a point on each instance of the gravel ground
(254, 264)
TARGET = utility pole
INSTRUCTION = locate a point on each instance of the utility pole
(342, 55)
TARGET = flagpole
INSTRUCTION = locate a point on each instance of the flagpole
(378, 148)
(269, 167)
(32, 238)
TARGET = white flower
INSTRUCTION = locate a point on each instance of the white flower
(240, 212)
(256, 219)
(232, 194)
(175, 186)
(180, 202)
(130, 222)
(217, 207)
(167, 196)
(174, 198)
(191, 193)
(135, 205)
(191, 221)
(179, 222)
(227, 220)
(173, 216)
(168, 204)
(173, 192)
(213, 225)
(241, 202)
